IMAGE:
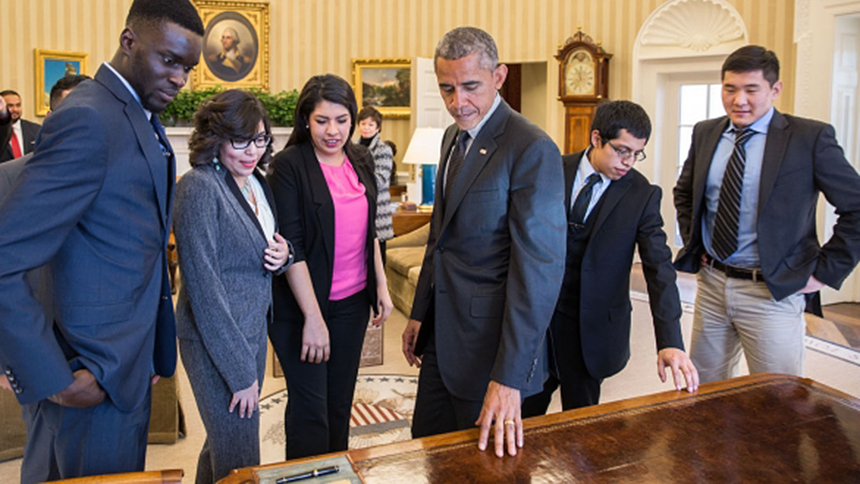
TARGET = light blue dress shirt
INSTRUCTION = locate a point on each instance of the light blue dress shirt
(747, 254)
(582, 173)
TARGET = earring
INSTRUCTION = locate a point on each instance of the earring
(216, 163)
(307, 127)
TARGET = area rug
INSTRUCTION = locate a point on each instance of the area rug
(381, 413)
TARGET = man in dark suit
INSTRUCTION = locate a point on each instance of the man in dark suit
(94, 202)
(746, 202)
(611, 209)
(492, 272)
(21, 138)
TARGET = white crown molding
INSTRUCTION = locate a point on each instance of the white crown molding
(695, 26)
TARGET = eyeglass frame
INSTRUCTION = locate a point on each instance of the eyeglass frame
(245, 144)
(624, 153)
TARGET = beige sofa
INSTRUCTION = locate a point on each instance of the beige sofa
(404, 255)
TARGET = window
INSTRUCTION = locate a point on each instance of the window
(696, 102)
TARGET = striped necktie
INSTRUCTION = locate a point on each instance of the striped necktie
(725, 239)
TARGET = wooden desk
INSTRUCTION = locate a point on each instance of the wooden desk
(405, 222)
(762, 428)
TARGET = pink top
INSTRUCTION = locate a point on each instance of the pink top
(350, 229)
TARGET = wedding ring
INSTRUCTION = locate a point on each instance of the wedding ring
(509, 422)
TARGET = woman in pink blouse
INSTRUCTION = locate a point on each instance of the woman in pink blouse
(325, 194)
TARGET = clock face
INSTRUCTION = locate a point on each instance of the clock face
(579, 74)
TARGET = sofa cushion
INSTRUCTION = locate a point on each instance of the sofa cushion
(402, 259)
(413, 275)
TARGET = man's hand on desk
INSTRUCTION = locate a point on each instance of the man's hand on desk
(4, 383)
(410, 336)
(681, 364)
(82, 393)
(502, 406)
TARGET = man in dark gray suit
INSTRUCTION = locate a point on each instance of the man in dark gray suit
(746, 202)
(494, 261)
(94, 201)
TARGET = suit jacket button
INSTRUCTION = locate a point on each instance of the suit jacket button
(19, 390)
(8, 370)
(440, 249)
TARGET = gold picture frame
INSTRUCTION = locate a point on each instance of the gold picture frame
(51, 65)
(245, 62)
(384, 84)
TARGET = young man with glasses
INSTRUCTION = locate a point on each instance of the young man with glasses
(611, 208)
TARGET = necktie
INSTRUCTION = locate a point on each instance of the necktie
(160, 135)
(580, 205)
(15, 145)
(455, 164)
(725, 239)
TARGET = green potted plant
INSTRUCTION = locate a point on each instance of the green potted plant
(280, 106)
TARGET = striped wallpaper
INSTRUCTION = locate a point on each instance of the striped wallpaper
(317, 36)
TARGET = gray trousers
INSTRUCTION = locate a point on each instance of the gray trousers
(64, 442)
(231, 442)
(735, 317)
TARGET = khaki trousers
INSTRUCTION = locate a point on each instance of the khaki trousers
(735, 316)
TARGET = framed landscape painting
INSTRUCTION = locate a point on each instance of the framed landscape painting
(51, 65)
(384, 84)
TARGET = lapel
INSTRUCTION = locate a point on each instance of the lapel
(321, 198)
(775, 145)
(703, 162)
(241, 205)
(439, 192)
(570, 168)
(481, 151)
(611, 197)
(159, 168)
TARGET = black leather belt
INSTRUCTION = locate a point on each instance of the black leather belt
(735, 272)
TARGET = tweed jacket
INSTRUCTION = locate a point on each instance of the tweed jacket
(226, 294)
(383, 170)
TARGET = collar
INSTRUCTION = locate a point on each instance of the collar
(759, 126)
(130, 89)
(585, 169)
(473, 133)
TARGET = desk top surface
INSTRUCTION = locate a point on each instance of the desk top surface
(763, 428)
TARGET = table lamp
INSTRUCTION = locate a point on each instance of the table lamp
(424, 149)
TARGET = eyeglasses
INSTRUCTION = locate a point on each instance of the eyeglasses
(625, 154)
(260, 141)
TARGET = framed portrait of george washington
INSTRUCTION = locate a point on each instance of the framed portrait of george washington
(235, 44)
(383, 84)
(51, 65)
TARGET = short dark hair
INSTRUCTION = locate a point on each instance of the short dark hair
(372, 113)
(613, 116)
(334, 89)
(229, 115)
(9, 92)
(64, 84)
(152, 12)
(751, 58)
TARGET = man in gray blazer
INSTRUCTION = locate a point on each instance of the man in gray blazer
(746, 202)
(94, 202)
(495, 255)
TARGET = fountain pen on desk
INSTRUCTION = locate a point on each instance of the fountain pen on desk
(325, 471)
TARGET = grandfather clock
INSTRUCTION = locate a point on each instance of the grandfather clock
(583, 81)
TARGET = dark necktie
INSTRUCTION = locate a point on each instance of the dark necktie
(455, 164)
(580, 205)
(160, 135)
(725, 239)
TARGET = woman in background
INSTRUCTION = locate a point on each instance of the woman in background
(226, 237)
(326, 197)
(369, 127)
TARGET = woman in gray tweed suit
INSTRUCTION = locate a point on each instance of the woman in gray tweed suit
(224, 222)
